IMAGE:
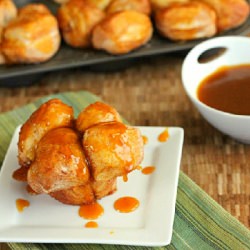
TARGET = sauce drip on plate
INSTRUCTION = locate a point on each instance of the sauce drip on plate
(126, 204)
(145, 139)
(21, 204)
(148, 170)
(227, 89)
(91, 211)
(91, 224)
(163, 136)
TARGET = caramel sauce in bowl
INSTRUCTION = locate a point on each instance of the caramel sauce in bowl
(229, 75)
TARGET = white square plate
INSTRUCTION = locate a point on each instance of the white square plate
(49, 221)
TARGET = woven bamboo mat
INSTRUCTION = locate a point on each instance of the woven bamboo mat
(150, 92)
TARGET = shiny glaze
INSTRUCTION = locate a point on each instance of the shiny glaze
(21, 204)
(145, 139)
(125, 177)
(126, 204)
(227, 89)
(148, 170)
(91, 224)
(91, 211)
(163, 136)
(20, 174)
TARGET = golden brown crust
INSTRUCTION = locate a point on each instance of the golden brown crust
(122, 32)
(230, 13)
(142, 6)
(104, 188)
(76, 195)
(186, 21)
(50, 115)
(32, 37)
(95, 113)
(59, 163)
(101, 4)
(160, 4)
(112, 149)
(8, 12)
(76, 20)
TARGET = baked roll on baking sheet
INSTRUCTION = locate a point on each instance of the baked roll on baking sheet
(122, 32)
(230, 13)
(186, 21)
(32, 37)
(76, 20)
(143, 6)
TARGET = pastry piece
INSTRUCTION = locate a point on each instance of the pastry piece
(159, 4)
(59, 164)
(8, 12)
(112, 149)
(101, 4)
(95, 113)
(104, 188)
(76, 20)
(85, 194)
(230, 13)
(122, 32)
(142, 6)
(186, 21)
(76, 195)
(32, 37)
(50, 115)
(76, 166)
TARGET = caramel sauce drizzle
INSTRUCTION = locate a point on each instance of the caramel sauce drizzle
(145, 139)
(163, 137)
(21, 204)
(148, 170)
(91, 211)
(91, 224)
(126, 204)
(125, 177)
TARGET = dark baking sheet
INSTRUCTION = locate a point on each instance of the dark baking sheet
(68, 57)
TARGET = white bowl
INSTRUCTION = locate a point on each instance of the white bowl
(193, 72)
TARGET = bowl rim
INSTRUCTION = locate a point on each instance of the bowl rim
(196, 50)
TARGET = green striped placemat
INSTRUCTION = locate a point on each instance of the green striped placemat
(200, 223)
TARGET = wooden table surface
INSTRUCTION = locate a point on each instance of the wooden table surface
(149, 92)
